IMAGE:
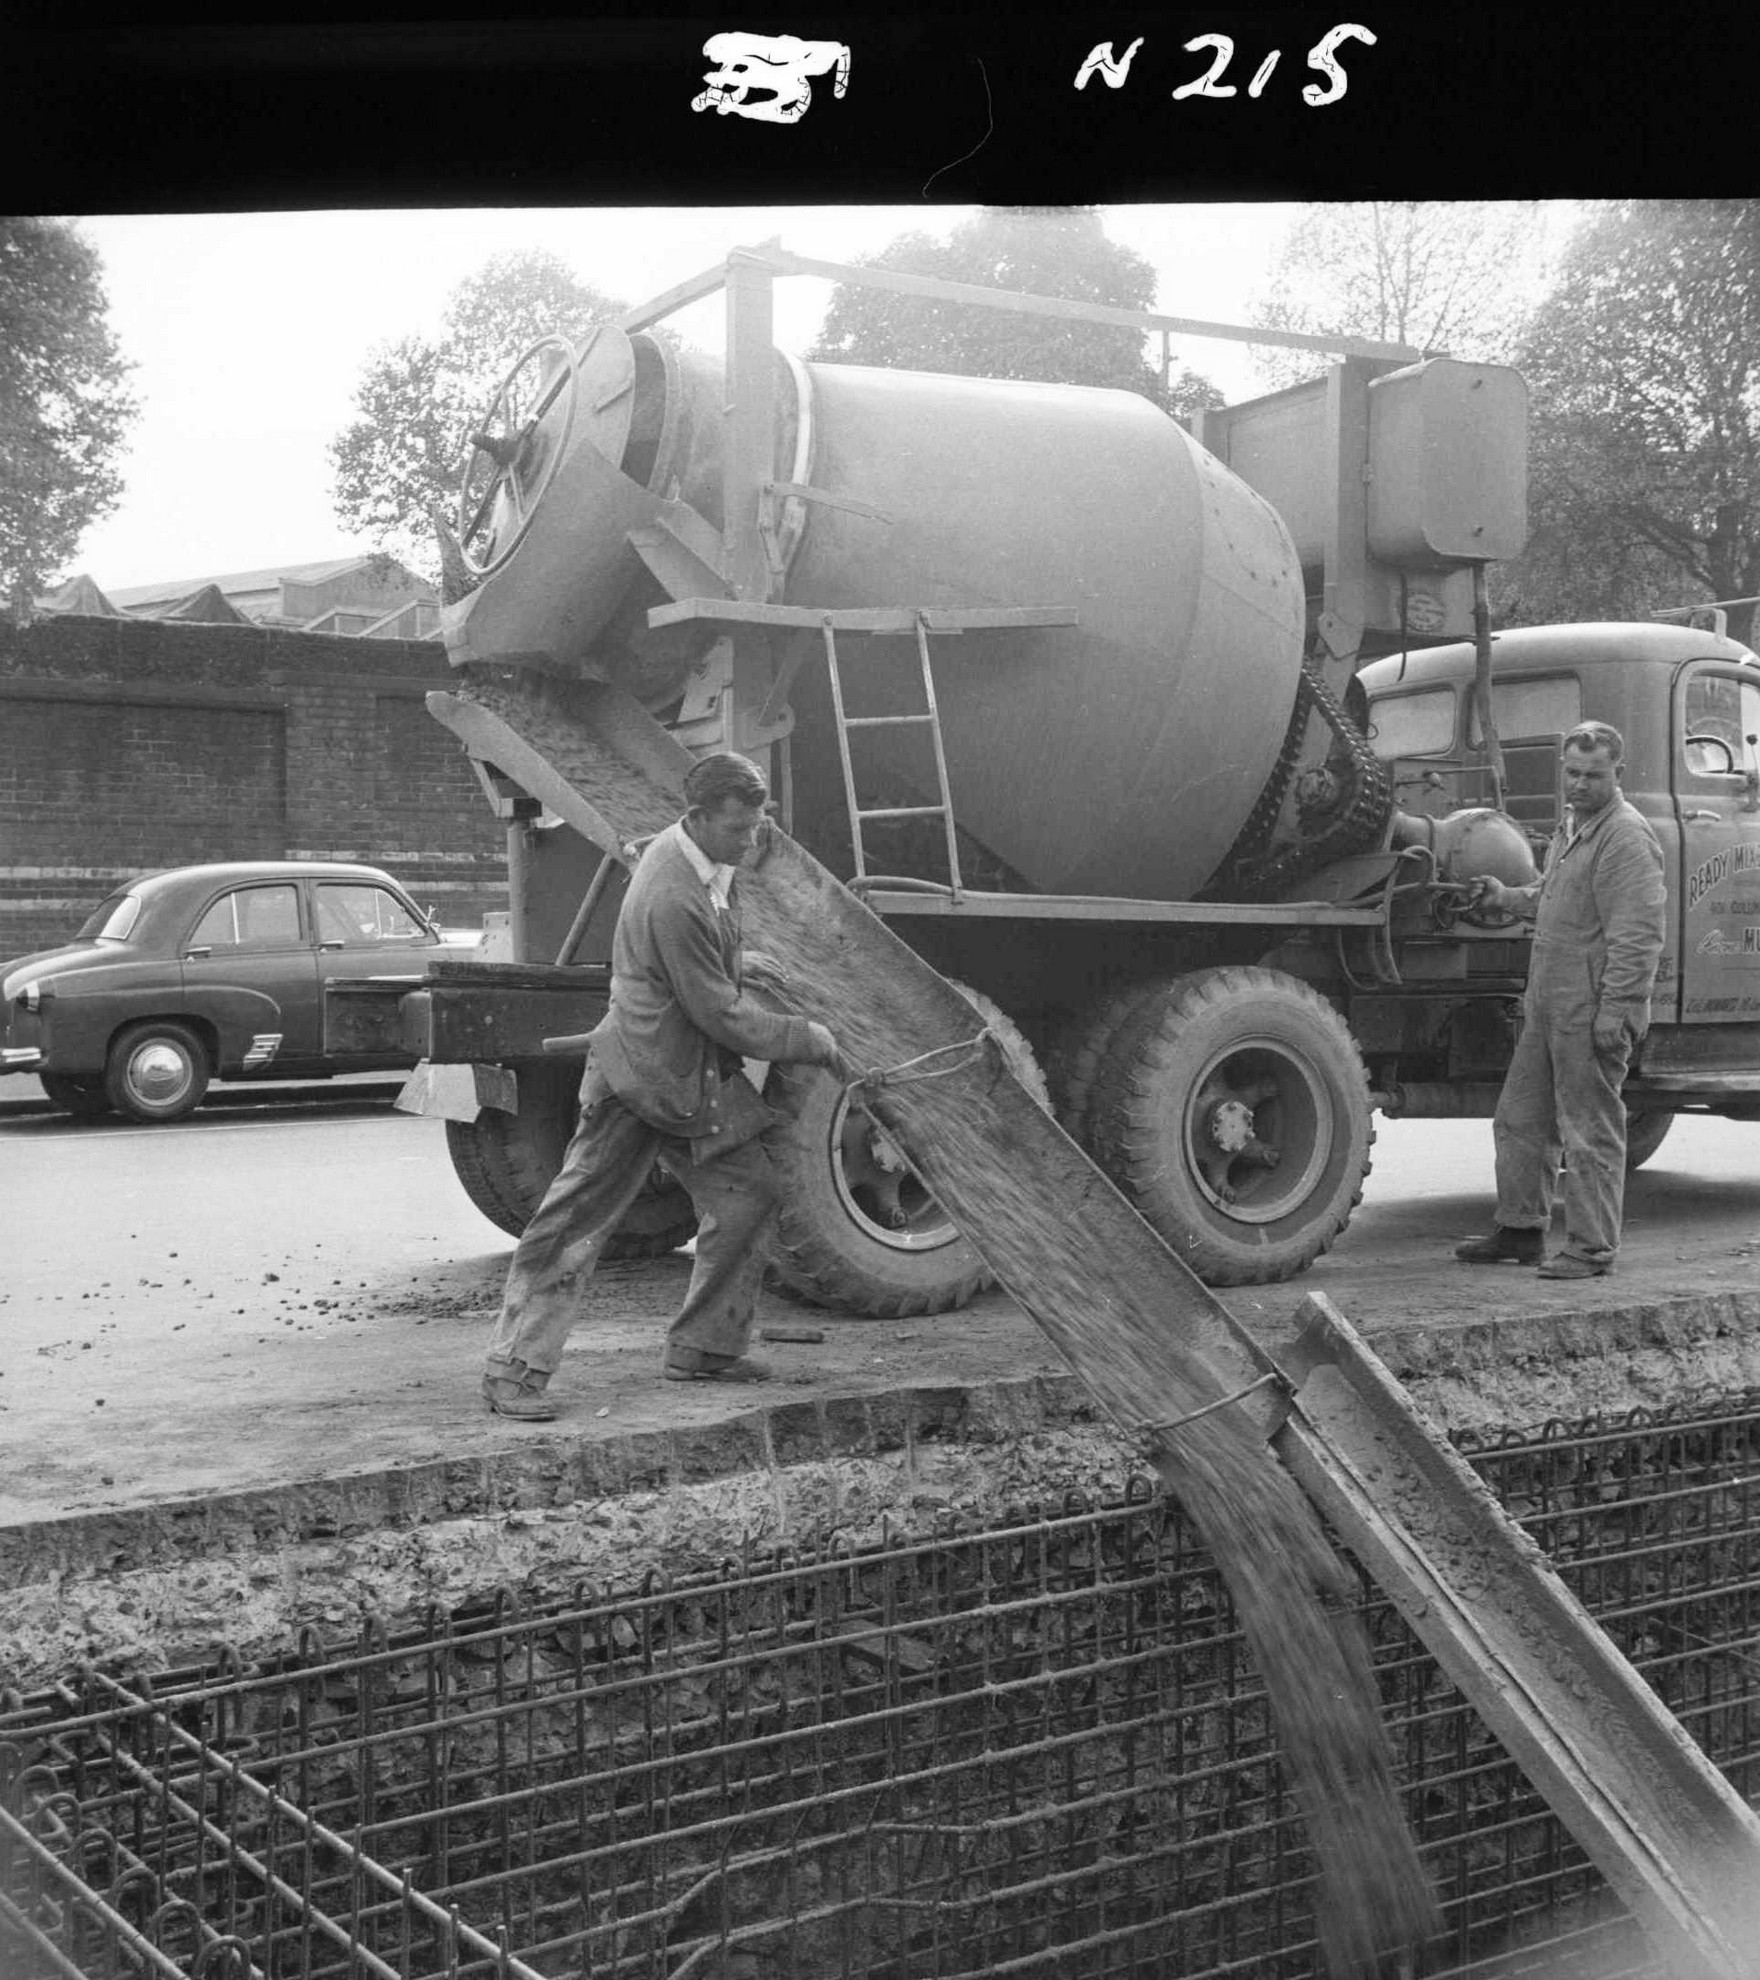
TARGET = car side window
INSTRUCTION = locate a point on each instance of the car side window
(250, 918)
(356, 915)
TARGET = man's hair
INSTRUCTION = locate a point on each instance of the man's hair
(1598, 735)
(711, 780)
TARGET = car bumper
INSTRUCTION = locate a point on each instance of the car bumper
(19, 1058)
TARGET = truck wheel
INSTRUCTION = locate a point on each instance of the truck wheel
(1072, 1085)
(83, 1098)
(1233, 1110)
(507, 1161)
(858, 1233)
(157, 1071)
(1646, 1130)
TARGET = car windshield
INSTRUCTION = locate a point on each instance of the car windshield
(111, 920)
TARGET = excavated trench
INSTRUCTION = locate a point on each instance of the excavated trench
(918, 1682)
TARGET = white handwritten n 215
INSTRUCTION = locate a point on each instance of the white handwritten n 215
(1113, 69)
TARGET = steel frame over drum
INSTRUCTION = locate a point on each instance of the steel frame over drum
(1038, 1749)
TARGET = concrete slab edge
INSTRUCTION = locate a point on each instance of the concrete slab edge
(537, 1473)
(1449, 1368)
(1440, 1363)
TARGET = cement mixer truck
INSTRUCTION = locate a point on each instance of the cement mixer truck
(1173, 750)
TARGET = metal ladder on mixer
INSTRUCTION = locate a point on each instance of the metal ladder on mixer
(929, 717)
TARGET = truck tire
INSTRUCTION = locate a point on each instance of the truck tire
(1093, 1036)
(1233, 1110)
(507, 1161)
(858, 1233)
(83, 1098)
(156, 1071)
(1646, 1129)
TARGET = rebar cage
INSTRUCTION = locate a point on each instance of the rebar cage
(1037, 1750)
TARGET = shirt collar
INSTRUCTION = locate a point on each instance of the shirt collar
(718, 878)
(1575, 829)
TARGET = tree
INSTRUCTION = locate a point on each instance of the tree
(1644, 368)
(1059, 251)
(64, 408)
(1440, 275)
(418, 399)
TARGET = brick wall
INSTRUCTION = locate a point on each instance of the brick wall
(126, 746)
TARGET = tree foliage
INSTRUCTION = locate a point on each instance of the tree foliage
(1644, 366)
(419, 398)
(64, 406)
(1056, 252)
(1440, 275)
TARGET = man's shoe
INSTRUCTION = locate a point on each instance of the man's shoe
(510, 1388)
(691, 1365)
(1568, 1266)
(1505, 1246)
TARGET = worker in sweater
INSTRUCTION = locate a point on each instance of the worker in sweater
(663, 1083)
(1599, 912)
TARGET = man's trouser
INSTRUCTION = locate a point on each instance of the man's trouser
(603, 1170)
(1561, 1096)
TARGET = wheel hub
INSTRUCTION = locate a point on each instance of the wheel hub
(1231, 1126)
(879, 1190)
(158, 1073)
(1258, 1130)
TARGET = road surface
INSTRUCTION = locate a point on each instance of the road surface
(261, 1294)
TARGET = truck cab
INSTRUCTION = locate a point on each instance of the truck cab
(1688, 705)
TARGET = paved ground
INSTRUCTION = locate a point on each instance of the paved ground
(259, 1297)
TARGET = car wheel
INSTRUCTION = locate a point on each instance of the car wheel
(157, 1071)
(83, 1098)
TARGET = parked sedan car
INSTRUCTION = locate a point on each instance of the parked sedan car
(203, 973)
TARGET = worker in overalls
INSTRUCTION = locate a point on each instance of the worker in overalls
(663, 1083)
(1599, 924)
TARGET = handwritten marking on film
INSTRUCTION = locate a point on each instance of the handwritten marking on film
(1114, 69)
(779, 65)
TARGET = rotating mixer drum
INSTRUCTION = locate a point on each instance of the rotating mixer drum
(1119, 757)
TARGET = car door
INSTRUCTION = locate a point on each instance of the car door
(249, 969)
(364, 929)
(1717, 800)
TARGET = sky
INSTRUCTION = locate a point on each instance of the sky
(250, 333)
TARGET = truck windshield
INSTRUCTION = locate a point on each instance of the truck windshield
(111, 920)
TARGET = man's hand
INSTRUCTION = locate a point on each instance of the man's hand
(1609, 1033)
(825, 1052)
(1489, 892)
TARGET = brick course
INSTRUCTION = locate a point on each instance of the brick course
(126, 746)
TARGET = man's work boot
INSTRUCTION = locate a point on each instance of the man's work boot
(510, 1388)
(692, 1365)
(1505, 1246)
(1567, 1265)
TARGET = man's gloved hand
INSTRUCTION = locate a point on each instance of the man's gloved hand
(1488, 892)
(825, 1052)
(1609, 1032)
